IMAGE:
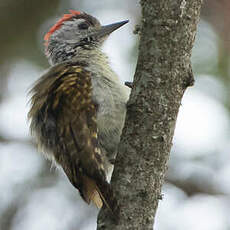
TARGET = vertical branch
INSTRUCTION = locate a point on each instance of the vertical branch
(163, 73)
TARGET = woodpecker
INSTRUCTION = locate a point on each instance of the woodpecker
(78, 106)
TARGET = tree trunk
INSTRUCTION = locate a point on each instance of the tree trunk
(163, 73)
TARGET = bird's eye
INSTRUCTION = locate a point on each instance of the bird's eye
(83, 26)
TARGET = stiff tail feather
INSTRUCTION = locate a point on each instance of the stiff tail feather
(108, 197)
(100, 193)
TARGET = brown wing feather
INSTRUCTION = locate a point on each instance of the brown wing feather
(64, 98)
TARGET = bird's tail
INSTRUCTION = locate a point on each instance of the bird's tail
(100, 193)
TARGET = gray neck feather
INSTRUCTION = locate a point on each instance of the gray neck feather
(96, 59)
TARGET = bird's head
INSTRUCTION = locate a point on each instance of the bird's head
(75, 32)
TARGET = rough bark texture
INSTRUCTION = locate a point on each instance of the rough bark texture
(163, 73)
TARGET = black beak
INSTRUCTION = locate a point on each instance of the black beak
(108, 29)
(103, 31)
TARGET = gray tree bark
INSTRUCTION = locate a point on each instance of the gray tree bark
(163, 73)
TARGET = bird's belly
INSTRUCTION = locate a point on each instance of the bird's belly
(110, 126)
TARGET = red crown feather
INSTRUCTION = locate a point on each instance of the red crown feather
(65, 17)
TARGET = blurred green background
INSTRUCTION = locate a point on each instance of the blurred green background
(34, 195)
